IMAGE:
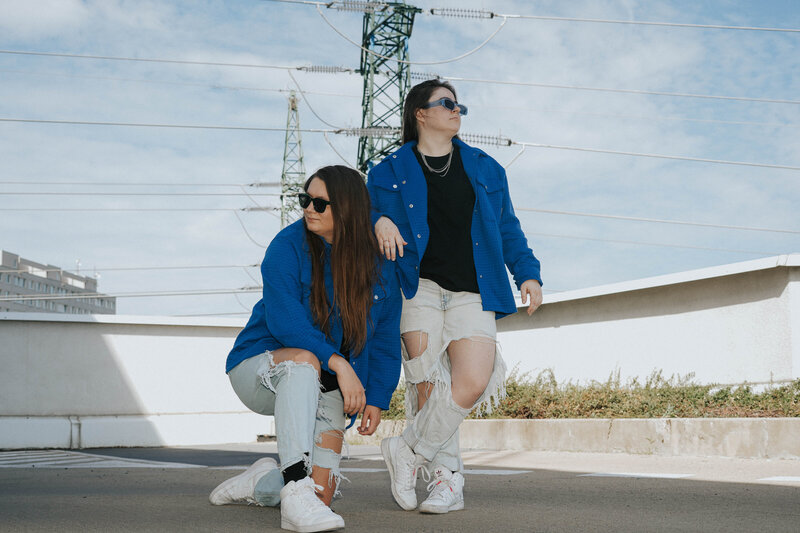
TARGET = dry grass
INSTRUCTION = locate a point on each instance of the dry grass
(656, 397)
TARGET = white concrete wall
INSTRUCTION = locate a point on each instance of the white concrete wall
(88, 381)
(731, 324)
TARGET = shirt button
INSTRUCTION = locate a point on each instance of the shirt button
(403, 182)
(394, 157)
(481, 276)
(394, 186)
(376, 296)
(410, 206)
(476, 244)
(419, 236)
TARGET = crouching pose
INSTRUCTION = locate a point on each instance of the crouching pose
(321, 344)
(447, 219)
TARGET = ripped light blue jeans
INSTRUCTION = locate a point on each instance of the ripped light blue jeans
(291, 392)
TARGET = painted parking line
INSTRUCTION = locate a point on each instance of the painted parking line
(70, 459)
(792, 479)
(653, 475)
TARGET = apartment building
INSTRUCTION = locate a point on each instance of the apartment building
(27, 286)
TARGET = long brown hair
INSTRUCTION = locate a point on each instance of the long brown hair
(416, 98)
(354, 256)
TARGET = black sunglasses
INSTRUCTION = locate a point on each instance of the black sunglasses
(448, 104)
(319, 204)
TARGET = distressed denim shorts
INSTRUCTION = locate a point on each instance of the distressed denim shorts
(446, 316)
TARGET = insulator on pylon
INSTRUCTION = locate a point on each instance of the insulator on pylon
(371, 132)
(422, 76)
(477, 138)
(322, 69)
(462, 13)
(354, 5)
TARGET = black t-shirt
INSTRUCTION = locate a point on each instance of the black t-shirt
(448, 258)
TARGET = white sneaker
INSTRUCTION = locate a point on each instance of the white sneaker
(240, 489)
(302, 510)
(402, 464)
(446, 492)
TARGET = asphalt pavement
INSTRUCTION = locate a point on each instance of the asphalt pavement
(166, 490)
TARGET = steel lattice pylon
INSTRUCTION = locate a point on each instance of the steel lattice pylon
(386, 81)
(294, 172)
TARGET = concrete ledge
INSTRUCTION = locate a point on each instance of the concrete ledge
(75, 432)
(754, 438)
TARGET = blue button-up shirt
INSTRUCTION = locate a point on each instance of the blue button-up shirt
(398, 191)
(283, 317)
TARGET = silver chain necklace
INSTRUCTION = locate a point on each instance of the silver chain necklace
(440, 171)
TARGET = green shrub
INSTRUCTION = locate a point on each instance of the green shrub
(658, 397)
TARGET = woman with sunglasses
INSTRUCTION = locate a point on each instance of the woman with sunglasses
(445, 215)
(322, 343)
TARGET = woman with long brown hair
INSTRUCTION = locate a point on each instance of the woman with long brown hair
(321, 344)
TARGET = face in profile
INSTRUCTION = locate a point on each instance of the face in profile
(439, 118)
(319, 223)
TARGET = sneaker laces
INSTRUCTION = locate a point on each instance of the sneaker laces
(308, 495)
(407, 477)
(438, 484)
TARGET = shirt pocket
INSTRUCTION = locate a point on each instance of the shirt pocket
(495, 193)
(388, 200)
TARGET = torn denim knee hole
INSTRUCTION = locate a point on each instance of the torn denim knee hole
(268, 370)
(415, 342)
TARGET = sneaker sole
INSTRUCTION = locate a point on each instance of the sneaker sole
(387, 457)
(432, 509)
(330, 525)
(260, 464)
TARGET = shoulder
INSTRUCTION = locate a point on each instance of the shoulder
(483, 157)
(291, 240)
(387, 165)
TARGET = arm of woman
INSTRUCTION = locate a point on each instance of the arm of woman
(352, 390)
(390, 241)
(283, 290)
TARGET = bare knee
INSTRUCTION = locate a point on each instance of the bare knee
(304, 356)
(415, 343)
(468, 389)
(296, 355)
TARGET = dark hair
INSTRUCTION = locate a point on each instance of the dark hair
(417, 97)
(354, 256)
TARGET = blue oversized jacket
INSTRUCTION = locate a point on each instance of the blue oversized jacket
(398, 190)
(283, 318)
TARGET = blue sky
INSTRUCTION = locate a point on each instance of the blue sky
(576, 251)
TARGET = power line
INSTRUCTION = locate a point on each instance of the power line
(658, 244)
(148, 60)
(389, 58)
(49, 193)
(475, 13)
(141, 184)
(500, 141)
(623, 91)
(81, 296)
(181, 83)
(654, 220)
(646, 23)
(450, 78)
(658, 156)
(137, 268)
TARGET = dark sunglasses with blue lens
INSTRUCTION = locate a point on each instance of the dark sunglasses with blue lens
(319, 204)
(448, 104)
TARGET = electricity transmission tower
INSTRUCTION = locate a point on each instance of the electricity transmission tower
(386, 30)
(294, 172)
